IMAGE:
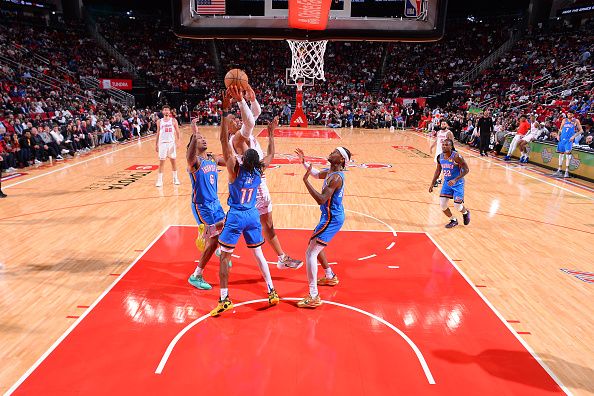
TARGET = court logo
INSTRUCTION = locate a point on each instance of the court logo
(547, 155)
(575, 162)
(124, 178)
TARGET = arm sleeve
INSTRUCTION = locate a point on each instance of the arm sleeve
(256, 109)
(248, 120)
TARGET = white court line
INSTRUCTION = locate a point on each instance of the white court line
(514, 170)
(524, 344)
(413, 346)
(71, 328)
(391, 246)
(78, 163)
(393, 266)
(367, 257)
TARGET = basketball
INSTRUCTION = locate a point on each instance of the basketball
(236, 77)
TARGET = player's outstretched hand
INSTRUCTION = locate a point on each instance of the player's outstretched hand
(250, 94)
(431, 188)
(226, 100)
(272, 125)
(300, 154)
(234, 92)
(306, 176)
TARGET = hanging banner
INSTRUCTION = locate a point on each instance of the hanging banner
(112, 83)
(309, 14)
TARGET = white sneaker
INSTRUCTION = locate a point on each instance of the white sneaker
(59, 158)
(11, 169)
(64, 151)
(176, 181)
(37, 162)
(159, 183)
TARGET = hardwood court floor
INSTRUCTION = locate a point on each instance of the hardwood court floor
(69, 230)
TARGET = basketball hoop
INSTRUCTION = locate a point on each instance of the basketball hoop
(308, 59)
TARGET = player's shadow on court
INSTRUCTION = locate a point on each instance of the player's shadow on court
(515, 366)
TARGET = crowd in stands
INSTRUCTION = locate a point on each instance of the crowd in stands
(45, 112)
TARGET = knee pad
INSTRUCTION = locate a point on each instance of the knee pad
(443, 202)
(459, 206)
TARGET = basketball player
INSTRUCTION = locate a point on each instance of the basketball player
(242, 139)
(331, 221)
(570, 128)
(207, 210)
(522, 130)
(442, 134)
(454, 169)
(245, 177)
(167, 140)
(530, 136)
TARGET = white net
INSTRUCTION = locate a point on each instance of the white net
(308, 59)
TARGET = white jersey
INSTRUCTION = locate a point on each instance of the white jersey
(441, 137)
(166, 131)
(252, 143)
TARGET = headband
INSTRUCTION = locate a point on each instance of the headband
(344, 154)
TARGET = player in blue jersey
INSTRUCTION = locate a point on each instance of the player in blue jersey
(570, 128)
(331, 221)
(454, 169)
(207, 210)
(243, 217)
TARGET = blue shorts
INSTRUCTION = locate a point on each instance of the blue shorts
(327, 228)
(564, 146)
(246, 222)
(208, 213)
(456, 192)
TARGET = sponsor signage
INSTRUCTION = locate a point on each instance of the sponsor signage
(575, 10)
(122, 179)
(113, 83)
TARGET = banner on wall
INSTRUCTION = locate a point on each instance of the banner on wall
(113, 83)
(405, 101)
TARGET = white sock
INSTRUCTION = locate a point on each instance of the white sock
(224, 293)
(567, 161)
(175, 174)
(311, 262)
(281, 257)
(560, 161)
(329, 273)
(198, 271)
(160, 175)
(263, 267)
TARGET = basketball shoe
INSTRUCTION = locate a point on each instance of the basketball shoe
(325, 281)
(287, 262)
(223, 305)
(199, 283)
(453, 223)
(273, 297)
(200, 240)
(310, 302)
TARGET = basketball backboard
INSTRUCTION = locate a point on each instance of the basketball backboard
(369, 20)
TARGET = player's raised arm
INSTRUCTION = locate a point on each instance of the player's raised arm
(333, 184)
(435, 176)
(270, 152)
(254, 105)
(191, 152)
(230, 160)
(316, 173)
(247, 117)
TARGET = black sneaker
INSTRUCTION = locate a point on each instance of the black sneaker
(452, 223)
(2, 195)
(466, 217)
